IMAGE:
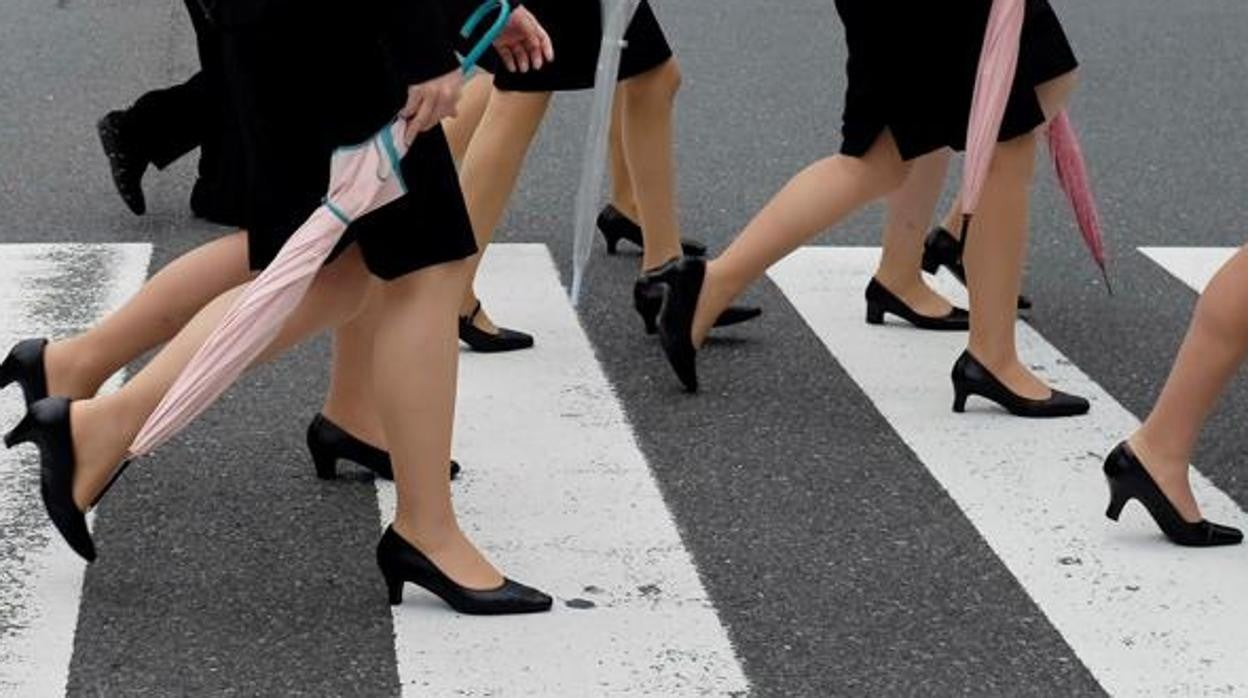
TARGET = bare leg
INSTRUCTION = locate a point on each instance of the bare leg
(622, 196)
(910, 211)
(350, 401)
(995, 253)
(105, 426)
(1214, 349)
(459, 130)
(816, 199)
(647, 129)
(79, 365)
(491, 167)
(417, 327)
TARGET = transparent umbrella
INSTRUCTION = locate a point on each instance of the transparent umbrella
(616, 16)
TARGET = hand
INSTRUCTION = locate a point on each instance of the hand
(430, 102)
(524, 43)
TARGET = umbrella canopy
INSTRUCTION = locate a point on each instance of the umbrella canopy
(998, 63)
(616, 16)
(363, 178)
(1072, 175)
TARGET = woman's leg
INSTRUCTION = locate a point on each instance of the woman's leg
(647, 131)
(416, 327)
(1213, 351)
(105, 426)
(78, 366)
(491, 167)
(816, 199)
(910, 211)
(460, 129)
(350, 402)
(622, 195)
(997, 249)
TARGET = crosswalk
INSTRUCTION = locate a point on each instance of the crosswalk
(569, 502)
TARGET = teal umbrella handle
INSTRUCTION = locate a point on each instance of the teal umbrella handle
(491, 35)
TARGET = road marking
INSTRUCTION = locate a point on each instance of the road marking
(46, 291)
(557, 491)
(1194, 266)
(1146, 617)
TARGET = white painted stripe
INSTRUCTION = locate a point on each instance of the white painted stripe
(45, 291)
(557, 491)
(1146, 617)
(1194, 266)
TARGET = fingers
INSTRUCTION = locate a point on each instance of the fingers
(506, 55)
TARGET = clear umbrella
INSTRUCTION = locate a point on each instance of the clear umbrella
(616, 16)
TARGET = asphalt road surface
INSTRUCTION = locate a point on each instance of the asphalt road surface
(814, 523)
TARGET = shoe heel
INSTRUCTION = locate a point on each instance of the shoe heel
(613, 242)
(326, 465)
(1116, 504)
(8, 371)
(875, 314)
(22, 433)
(648, 308)
(394, 589)
(959, 400)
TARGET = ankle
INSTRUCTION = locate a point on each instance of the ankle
(355, 419)
(70, 370)
(1164, 464)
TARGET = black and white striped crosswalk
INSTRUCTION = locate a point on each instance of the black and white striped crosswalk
(561, 494)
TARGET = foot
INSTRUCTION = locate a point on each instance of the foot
(480, 319)
(1019, 379)
(919, 297)
(124, 160)
(1171, 476)
(364, 428)
(455, 555)
(66, 376)
(97, 456)
(490, 341)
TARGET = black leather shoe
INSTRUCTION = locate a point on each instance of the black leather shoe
(1129, 480)
(682, 279)
(46, 425)
(970, 377)
(616, 226)
(24, 365)
(648, 299)
(328, 443)
(127, 165)
(941, 249)
(880, 300)
(491, 343)
(401, 562)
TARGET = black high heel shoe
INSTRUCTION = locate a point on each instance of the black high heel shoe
(24, 365)
(328, 443)
(401, 562)
(1129, 480)
(648, 299)
(880, 300)
(491, 343)
(616, 226)
(970, 377)
(46, 425)
(683, 280)
(941, 249)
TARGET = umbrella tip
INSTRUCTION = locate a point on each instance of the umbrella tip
(1109, 286)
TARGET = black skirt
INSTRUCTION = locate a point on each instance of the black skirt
(912, 67)
(326, 85)
(575, 28)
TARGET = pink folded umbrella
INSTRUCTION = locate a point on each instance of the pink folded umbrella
(363, 178)
(998, 64)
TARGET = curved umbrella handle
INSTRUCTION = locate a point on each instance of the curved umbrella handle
(478, 50)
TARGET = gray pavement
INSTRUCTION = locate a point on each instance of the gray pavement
(839, 566)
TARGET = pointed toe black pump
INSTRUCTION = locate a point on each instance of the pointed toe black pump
(329, 443)
(881, 302)
(682, 280)
(1128, 479)
(504, 340)
(615, 226)
(970, 377)
(47, 426)
(402, 563)
(24, 366)
(648, 300)
(941, 249)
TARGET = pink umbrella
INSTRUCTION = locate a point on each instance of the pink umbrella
(1072, 175)
(363, 178)
(998, 64)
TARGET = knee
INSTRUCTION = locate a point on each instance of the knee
(660, 84)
